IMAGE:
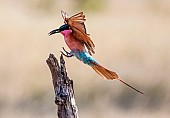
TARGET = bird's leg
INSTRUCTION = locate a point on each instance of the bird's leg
(68, 54)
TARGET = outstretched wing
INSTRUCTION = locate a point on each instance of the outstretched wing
(76, 23)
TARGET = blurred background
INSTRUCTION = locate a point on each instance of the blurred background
(132, 37)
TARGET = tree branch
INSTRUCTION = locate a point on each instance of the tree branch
(63, 88)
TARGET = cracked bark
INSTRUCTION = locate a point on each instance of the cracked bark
(63, 88)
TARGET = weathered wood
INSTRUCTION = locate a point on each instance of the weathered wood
(63, 87)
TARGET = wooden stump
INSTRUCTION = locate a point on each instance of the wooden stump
(63, 88)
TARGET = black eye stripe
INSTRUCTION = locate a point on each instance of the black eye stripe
(64, 27)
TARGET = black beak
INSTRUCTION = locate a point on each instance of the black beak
(54, 31)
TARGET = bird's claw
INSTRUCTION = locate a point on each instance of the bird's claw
(66, 51)
(68, 54)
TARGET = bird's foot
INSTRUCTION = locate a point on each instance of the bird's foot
(68, 54)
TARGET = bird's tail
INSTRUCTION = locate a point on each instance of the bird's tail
(110, 75)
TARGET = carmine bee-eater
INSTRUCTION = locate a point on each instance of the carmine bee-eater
(81, 46)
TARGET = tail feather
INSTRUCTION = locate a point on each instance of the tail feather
(107, 74)
(110, 75)
(130, 86)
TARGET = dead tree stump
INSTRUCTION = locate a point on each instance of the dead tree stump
(63, 88)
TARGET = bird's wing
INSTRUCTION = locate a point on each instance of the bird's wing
(76, 23)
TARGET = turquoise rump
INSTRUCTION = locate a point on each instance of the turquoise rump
(85, 57)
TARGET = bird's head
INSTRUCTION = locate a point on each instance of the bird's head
(64, 29)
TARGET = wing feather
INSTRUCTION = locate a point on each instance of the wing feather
(76, 23)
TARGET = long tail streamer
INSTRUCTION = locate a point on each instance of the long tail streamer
(110, 75)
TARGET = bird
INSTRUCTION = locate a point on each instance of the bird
(82, 47)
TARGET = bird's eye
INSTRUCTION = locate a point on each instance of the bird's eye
(64, 27)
